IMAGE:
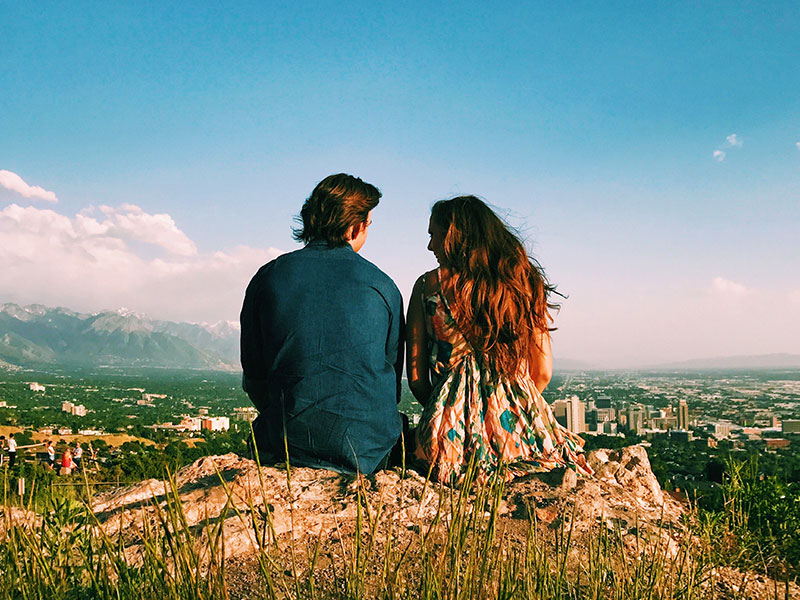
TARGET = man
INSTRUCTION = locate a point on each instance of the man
(321, 340)
(77, 456)
(12, 450)
(51, 454)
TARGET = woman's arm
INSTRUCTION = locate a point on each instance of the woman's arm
(540, 365)
(416, 347)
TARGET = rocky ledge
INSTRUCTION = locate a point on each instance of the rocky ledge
(624, 493)
(230, 498)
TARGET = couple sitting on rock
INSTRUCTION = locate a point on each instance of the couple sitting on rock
(323, 336)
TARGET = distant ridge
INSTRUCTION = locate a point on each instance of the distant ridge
(38, 335)
(759, 361)
(568, 364)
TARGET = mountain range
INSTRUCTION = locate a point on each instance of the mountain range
(37, 335)
(758, 361)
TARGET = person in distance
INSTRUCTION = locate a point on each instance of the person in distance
(478, 344)
(321, 345)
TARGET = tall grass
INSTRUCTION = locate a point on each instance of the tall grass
(465, 551)
(757, 523)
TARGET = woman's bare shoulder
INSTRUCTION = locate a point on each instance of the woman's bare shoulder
(428, 283)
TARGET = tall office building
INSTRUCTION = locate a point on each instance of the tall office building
(571, 413)
(636, 417)
(683, 415)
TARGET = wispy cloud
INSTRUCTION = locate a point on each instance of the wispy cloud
(96, 259)
(731, 141)
(15, 183)
(798, 145)
(734, 141)
(732, 288)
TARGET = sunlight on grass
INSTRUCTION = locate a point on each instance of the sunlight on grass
(463, 552)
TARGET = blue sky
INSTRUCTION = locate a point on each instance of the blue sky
(181, 140)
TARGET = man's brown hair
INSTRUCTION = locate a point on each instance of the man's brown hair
(338, 203)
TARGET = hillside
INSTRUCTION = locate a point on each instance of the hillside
(37, 335)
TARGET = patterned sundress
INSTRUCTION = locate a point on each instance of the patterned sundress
(474, 411)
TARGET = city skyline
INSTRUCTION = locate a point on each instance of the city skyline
(154, 157)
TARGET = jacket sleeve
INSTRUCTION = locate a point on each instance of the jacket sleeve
(255, 374)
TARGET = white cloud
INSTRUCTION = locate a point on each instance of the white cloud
(129, 222)
(728, 287)
(89, 263)
(719, 155)
(798, 145)
(734, 141)
(15, 183)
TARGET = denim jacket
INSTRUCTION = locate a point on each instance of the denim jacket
(322, 356)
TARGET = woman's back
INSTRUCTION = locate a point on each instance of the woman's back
(447, 346)
(479, 352)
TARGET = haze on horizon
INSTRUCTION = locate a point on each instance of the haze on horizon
(153, 157)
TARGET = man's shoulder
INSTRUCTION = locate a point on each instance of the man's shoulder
(267, 268)
(374, 270)
(380, 279)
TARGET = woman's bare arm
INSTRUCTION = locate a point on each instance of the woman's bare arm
(416, 347)
(540, 365)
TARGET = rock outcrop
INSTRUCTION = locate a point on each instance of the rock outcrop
(624, 493)
(230, 508)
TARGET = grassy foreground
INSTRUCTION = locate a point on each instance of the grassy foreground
(464, 552)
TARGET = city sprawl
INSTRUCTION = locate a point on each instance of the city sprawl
(690, 421)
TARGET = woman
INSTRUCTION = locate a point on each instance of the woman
(478, 343)
(66, 462)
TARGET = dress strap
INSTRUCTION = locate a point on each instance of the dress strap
(440, 290)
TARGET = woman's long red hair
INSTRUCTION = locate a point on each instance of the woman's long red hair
(499, 296)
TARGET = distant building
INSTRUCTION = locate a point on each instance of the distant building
(683, 415)
(603, 402)
(636, 418)
(790, 426)
(609, 427)
(79, 410)
(606, 414)
(150, 397)
(721, 429)
(752, 433)
(571, 413)
(247, 413)
(216, 423)
(777, 443)
(36, 387)
(191, 424)
(186, 424)
(591, 420)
